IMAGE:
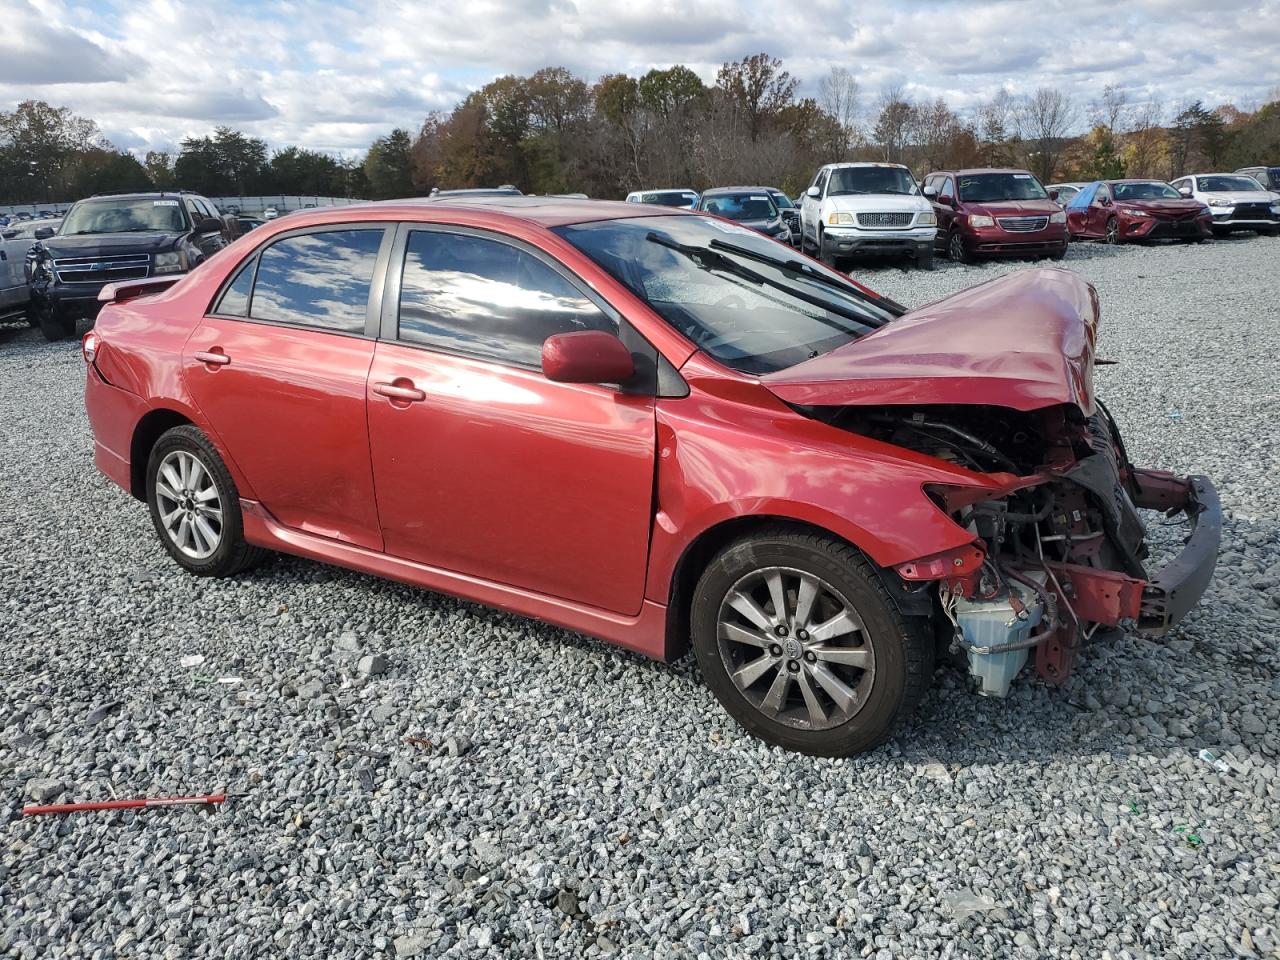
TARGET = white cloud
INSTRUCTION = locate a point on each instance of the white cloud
(332, 76)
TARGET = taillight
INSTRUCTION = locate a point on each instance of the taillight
(89, 346)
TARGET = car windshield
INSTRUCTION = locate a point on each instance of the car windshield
(124, 216)
(1153, 190)
(854, 180)
(745, 300)
(741, 206)
(1229, 184)
(988, 187)
(669, 198)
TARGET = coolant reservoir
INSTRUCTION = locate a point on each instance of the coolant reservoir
(989, 623)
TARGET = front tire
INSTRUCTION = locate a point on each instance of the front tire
(54, 324)
(924, 259)
(956, 248)
(1113, 231)
(195, 507)
(802, 645)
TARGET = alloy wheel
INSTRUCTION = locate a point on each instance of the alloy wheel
(1113, 230)
(189, 505)
(957, 247)
(795, 648)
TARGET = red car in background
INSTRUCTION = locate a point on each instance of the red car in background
(995, 213)
(1125, 211)
(655, 427)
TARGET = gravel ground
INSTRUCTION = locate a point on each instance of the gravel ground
(568, 799)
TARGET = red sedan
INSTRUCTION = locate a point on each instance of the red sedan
(1126, 211)
(654, 427)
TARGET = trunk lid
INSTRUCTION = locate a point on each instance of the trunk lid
(1024, 341)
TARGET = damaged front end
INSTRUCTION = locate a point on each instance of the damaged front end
(1063, 540)
(998, 382)
(1058, 525)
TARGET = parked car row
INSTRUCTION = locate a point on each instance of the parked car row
(858, 209)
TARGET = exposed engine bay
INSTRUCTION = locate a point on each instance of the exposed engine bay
(1060, 542)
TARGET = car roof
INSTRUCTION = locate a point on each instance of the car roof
(542, 211)
(719, 191)
(977, 170)
(865, 163)
(664, 190)
(1136, 180)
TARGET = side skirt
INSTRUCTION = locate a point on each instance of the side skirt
(644, 634)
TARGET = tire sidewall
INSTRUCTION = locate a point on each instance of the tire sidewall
(870, 725)
(191, 440)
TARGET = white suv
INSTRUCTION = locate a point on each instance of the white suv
(1237, 202)
(867, 208)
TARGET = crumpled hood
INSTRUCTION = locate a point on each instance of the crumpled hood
(109, 244)
(879, 203)
(1024, 341)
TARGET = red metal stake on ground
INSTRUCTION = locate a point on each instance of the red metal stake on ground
(213, 799)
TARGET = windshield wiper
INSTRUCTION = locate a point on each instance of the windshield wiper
(802, 269)
(704, 257)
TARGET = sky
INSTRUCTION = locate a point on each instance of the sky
(332, 75)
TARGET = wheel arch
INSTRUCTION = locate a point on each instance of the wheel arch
(150, 427)
(701, 549)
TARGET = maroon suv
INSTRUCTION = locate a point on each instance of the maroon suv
(990, 213)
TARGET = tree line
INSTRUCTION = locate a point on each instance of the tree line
(553, 132)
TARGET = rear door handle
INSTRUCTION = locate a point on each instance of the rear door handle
(402, 389)
(214, 356)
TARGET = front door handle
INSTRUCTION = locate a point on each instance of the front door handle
(214, 357)
(402, 389)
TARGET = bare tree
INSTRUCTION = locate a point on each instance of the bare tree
(997, 129)
(1044, 120)
(893, 124)
(1145, 140)
(1111, 110)
(838, 95)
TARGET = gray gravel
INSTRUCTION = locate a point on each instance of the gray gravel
(428, 778)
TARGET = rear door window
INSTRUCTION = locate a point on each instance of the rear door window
(318, 279)
(235, 298)
(483, 297)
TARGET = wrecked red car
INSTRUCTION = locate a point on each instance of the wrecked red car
(657, 428)
(1128, 211)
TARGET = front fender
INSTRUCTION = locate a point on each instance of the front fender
(720, 460)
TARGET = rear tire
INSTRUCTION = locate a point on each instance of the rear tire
(195, 507)
(829, 676)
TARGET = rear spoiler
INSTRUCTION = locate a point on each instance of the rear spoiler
(131, 289)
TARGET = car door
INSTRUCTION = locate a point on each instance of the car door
(1100, 210)
(483, 466)
(13, 279)
(278, 367)
(811, 208)
(945, 208)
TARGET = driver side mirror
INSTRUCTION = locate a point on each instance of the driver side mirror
(1053, 194)
(813, 192)
(1185, 190)
(586, 356)
(43, 233)
(208, 225)
(930, 192)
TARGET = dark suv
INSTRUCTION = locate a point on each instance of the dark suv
(105, 239)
